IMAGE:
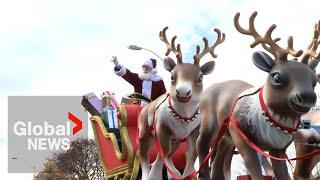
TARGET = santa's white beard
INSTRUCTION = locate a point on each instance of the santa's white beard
(146, 76)
(150, 76)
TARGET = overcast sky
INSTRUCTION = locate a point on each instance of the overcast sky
(63, 47)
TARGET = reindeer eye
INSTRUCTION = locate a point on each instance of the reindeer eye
(173, 78)
(276, 80)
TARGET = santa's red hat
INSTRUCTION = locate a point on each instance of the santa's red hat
(151, 63)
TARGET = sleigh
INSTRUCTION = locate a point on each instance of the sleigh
(117, 146)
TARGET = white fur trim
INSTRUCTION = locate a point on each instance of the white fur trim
(154, 71)
(149, 76)
(148, 63)
(146, 88)
(122, 71)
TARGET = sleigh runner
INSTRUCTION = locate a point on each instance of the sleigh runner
(118, 147)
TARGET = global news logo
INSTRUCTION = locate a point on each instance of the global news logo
(47, 136)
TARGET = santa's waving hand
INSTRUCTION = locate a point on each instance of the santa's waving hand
(147, 82)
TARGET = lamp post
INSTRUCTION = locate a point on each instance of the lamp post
(24, 161)
(135, 48)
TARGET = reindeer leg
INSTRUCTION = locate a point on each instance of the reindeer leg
(157, 166)
(267, 166)
(249, 156)
(145, 146)
(174, 147)
(279, 167)
(227, 161)
(191, 153)
(208, 131)
(156, 169)
(165, 140)
(217, 164)
(222, 158)
(145, 143)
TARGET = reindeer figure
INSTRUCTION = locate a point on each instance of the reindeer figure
(173, 117)
(306, 137)
(267, 116)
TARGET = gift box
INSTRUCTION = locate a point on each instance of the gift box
(113, 102)
(248, 177)
(109, 114)
(92, 104)
(110, 117)
(95, 107)
(127, 100)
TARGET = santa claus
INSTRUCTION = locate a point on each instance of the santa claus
(147, 82)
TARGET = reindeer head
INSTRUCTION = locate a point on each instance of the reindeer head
(186, 78)
(289, 89)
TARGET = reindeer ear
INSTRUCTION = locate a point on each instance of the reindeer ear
(169, 64)
(313, 64)
(207, 68)
(263, 61)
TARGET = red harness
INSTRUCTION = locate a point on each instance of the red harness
(271, 120)
(224, 127)
(276, 124)
(175, 114)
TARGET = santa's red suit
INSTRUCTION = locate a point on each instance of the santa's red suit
(148, 84)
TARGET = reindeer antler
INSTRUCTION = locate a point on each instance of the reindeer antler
(312, 49)
(171, 47)
(266, 41)
(220, 39)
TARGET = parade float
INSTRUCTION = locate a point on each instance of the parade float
(116, 125)
(115, 131)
